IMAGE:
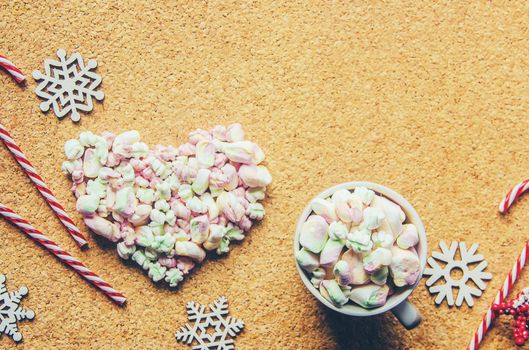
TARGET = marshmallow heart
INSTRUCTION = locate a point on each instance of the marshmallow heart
(165, 206)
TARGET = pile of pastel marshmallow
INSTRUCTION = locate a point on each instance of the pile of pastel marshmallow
(356, 246)
(164, 207)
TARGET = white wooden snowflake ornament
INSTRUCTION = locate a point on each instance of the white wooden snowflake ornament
(223, 328)
(11, 312)
(470, 271)
(68, 85)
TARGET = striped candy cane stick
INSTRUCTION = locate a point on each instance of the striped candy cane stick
(64, 256)
(12, 69)
(513, 195)
(41, 186)
(500, 297)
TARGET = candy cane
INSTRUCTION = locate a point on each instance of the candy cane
(513, 195)
(500, 297)
(12, 69)
(41, 186)
(64, 256)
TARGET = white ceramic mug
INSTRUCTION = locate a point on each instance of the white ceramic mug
(405, 312)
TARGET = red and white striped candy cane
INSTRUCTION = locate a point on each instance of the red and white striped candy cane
(513, 195)
(64, 256)
(12, 69)
(41, 186)
(500, 297)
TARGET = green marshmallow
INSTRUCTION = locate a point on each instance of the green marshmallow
(173, 277)
(224, 246)
(157, 271)
(140, 150)
(164, 243)
(146, 236)
(124, 204)
(140, 258)
(145, 195)
(331, 291)
(96, 187)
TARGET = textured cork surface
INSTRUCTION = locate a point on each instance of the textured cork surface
(431, 101)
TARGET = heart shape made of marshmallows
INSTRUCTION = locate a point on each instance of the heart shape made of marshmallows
(164, 207)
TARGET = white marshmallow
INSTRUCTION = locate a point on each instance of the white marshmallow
(307, 260)
(73, 149)
(313, 235)
(87, 204)
(191, 250)
(369, 296)
(365, 194)
(331, 252)
(337, 231)
(348, 206)
(393, 215)
(358, 274)
(325, 209)
(377, 259)
(331, 291)
(360, 240)
(91, 164)
(409, 237)
(373, 217)
(404, 267)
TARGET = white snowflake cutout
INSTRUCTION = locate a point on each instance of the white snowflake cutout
(224, 328)
(11, 311)
(465, 264)
(68, 85)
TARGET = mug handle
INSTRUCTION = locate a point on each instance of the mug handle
(407, 314)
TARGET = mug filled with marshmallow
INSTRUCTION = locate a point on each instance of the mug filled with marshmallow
(360, 249)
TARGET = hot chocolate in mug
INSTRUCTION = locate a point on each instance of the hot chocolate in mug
(398, 302)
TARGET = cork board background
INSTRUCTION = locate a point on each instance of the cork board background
(431, 100)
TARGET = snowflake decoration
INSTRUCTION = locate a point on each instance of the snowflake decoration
(68, 85)
(225, 328)
(448, 256)
(10, 310)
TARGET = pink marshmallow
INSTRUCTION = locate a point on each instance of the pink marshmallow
(167, 262)
(255, 176)
(103, 227)
(185, 264)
